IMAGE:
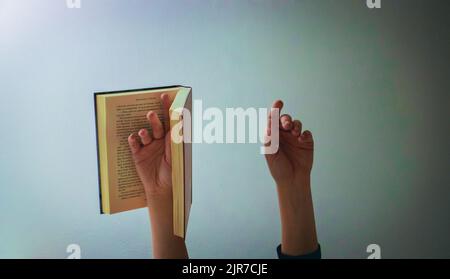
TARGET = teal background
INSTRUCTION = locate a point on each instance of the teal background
(372, 85)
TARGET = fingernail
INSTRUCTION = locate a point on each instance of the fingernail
(287, 124)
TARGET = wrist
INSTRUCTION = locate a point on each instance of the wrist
(164, 243)
(299, 184)
(157, 195)
(161, 215)
(293, 201)
(297, 217)
(160, 205)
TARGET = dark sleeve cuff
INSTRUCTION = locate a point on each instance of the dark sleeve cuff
(316, 255)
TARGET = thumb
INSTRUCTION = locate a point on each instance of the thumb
(167, 149)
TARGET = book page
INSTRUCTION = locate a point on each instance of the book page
(126, 114)
(187, 149)
(181, 162)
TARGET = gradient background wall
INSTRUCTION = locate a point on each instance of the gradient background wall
(373, 86)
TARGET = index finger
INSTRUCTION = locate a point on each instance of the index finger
(278, 104)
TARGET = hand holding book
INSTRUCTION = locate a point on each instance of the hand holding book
(152, 156)
(147, 168)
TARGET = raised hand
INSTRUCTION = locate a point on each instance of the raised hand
(291, 169)
(294, 159)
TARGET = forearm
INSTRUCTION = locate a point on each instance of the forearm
(298, 226)
(164, 243)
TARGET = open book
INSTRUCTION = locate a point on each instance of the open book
(120, 113)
